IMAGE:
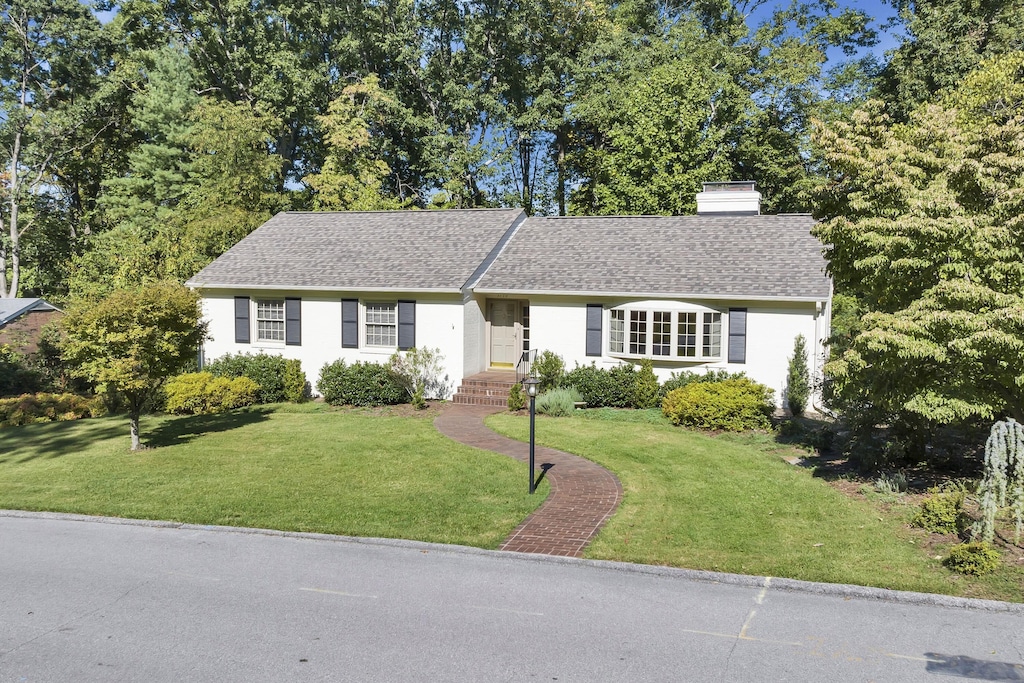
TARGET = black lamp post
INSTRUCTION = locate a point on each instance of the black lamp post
(532, 385)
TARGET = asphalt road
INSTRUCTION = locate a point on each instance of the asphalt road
(100, 601)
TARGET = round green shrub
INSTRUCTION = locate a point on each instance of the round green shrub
(600, 388)
(266, 370)
(974, 558)
(359, 384)
(941, 512)
(732, 405)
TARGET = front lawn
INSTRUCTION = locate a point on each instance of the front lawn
(731, 503)
(298, 468)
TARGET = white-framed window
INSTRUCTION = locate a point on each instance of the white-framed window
(686, 334)
(665, 331)
(661, 333)
(638, 333)
(270, 320)
(617, 331)
(382, 324)
(712, 338)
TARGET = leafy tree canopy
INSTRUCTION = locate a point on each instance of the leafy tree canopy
(131, 341)
(924, 224)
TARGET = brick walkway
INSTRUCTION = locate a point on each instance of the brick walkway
(583, 494)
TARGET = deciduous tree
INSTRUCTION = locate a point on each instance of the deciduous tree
(129, 342)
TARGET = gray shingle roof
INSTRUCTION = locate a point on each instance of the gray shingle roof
(705, 256)
(14, 308)
(378, 250)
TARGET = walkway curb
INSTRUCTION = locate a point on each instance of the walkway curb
(790, 585)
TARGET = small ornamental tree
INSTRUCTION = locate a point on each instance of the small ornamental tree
(798, 378)
(1003, 479)
(133, 340)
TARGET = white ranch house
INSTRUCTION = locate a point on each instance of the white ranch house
(727, 288)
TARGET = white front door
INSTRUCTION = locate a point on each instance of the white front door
(504, 333)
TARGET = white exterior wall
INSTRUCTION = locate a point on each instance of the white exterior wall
(439, 324)
(559, 325)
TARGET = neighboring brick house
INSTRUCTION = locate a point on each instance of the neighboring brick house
(22, 320)
(725, 289)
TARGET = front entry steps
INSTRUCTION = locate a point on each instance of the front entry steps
(488, 388)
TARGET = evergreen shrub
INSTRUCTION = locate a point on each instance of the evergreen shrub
(359, 384)
(201, 393)
(678, 380)
(268, 371)
(516, 397)
(549, 369)
(296, 388)
(942, 512)
(646, 389)
(32, 408)
(974, 558)
(731, 405)
(798, 378)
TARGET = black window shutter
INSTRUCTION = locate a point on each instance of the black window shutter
(737, 335)
(595, 313)
(406, 325)
(293, 322)
(350, 323)
(241, 320)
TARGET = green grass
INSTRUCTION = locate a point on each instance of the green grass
(299, 468)
(730, 503)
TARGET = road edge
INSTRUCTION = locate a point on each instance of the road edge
(848, 591)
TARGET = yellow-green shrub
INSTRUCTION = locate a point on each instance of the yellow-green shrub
(732, 405)
(31, 408)
(197, 393)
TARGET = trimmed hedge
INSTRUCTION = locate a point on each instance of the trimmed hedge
(201, 393)
(32, 408)
(360, 384)
(734, 405)
(600, 388)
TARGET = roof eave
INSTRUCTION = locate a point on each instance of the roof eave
(318, 288)
(655, 295)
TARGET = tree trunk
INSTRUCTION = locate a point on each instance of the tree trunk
(133, 420)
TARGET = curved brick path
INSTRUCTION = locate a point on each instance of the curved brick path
(583, 494)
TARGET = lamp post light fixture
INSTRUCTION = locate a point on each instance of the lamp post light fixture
(532, 385)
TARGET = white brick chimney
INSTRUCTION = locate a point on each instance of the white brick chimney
(737, 198)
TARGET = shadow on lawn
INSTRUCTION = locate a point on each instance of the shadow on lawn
(184, 429)
(55, 439)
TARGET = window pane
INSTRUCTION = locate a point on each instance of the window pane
(638, 333)
(617, 332)
(381, 325)
(270, 320)
(687, 339)
(661, 334)
(526, 328)
(712, 345)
